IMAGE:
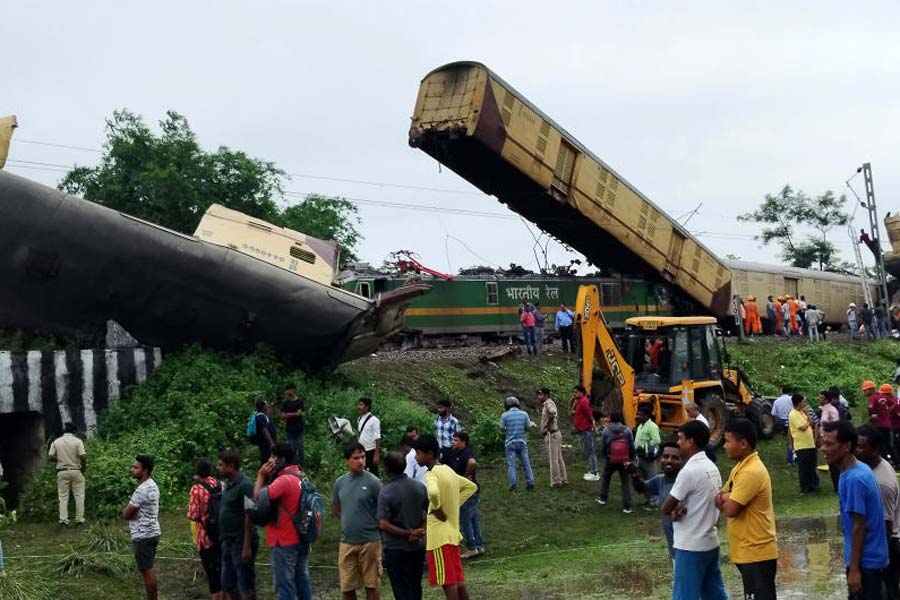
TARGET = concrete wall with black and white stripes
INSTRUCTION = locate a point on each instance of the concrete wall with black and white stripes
(70, 385)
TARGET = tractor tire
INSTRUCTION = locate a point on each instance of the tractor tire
(759, 411)
(712, 406)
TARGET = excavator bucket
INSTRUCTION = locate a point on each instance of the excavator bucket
(7, 124)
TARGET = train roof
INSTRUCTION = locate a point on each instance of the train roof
(658, 322)
(744, 265)
(579, 145)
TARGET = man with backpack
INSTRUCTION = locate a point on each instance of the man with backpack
(617, 446)
(290, 553)
(203, 510)
(261, 430)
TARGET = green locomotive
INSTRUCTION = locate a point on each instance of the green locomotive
(488, 306)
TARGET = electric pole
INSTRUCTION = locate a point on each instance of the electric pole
(869, 205)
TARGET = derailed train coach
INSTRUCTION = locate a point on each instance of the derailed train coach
(478, 125)
(487, 306)
(471, 120)
(68, 264)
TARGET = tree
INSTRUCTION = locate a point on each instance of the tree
(786, 212)
(168, 179)
(328, 219)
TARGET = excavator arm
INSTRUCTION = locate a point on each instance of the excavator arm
(599, 348)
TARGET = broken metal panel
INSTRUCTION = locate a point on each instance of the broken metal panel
(279, 246)
(7, 125)
(68, 264)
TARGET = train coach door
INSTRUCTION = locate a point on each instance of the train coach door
(673, 258)
(790, 286)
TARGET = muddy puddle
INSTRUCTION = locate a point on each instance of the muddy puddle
(810, 559)
(810, 565)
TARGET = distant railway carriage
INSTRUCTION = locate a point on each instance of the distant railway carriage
(830, 292)
(489, 305)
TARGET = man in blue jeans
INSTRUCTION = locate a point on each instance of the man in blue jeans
(691, 504)
(292, 410)
(462, 460)
(290, 556)
(515, 422)
(240, 542)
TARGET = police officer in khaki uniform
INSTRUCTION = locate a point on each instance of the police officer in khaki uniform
(67, 451)
(552, 438)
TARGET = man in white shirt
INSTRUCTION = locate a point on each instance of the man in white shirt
(692, 506)
(781, 409)
(413, 470)
(369, 428)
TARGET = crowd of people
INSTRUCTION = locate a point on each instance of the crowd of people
(427, 507)
(533, 320)
(786, 316)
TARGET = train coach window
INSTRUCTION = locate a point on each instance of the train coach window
(610, 294)
(492, 295)
(364, 289)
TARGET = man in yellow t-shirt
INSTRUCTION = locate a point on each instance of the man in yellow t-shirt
(746, 499)
(803, 432)
(446, 493)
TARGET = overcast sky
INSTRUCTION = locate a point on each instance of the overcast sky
(697, 102)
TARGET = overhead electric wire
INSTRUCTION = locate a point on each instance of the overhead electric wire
(19, 140)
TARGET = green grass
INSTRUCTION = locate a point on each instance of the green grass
(545, 544)
(554, 542)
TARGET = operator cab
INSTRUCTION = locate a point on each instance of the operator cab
(664, 351)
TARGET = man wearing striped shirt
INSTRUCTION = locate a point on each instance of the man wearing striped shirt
(445, 427)
(515, 422)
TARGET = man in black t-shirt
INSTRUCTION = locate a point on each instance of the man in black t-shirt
(461, 459)
(292, 411)
(265, 430)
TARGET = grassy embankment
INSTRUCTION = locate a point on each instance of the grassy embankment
(544, 544)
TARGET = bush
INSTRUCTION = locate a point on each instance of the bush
(810, 368)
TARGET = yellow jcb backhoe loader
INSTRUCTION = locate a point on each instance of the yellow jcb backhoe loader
(668, 362)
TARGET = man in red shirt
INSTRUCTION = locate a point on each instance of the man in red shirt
(198, 512)
(882, 407)
(290, 555)
(527, 320)
(583, 422)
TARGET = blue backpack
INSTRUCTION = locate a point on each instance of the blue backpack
(252, 434)
(308, 520)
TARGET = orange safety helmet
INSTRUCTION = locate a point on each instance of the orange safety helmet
(886, 388)
(868, 385)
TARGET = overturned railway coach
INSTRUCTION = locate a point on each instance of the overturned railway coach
(474, 122)
(488, 306)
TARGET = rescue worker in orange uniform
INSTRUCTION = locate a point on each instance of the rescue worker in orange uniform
(778, 302)
(794, 308)
(752, 325)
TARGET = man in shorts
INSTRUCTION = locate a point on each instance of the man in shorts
(142, 514)
(354, 498)
(447, 491)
